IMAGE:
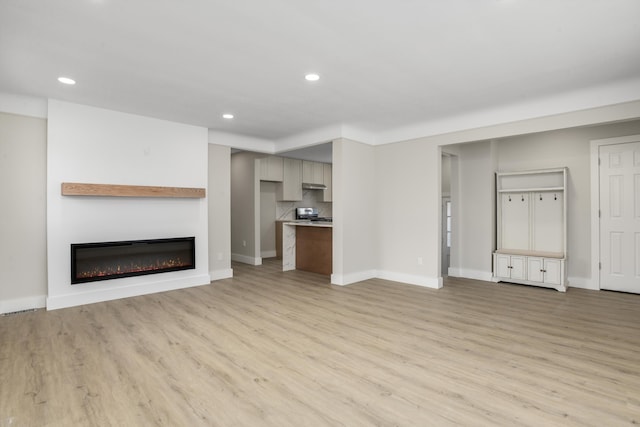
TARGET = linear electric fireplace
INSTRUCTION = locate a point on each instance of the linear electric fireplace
(91, 262)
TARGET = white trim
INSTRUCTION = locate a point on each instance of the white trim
(19, 304)
(583, 283)
(24, 105)
(269, 254)
(226, 273)
(245, 259)
(595, 203)
(90, 297)
(348, 279)
(471, 274)
(243, 142)
(427, 282)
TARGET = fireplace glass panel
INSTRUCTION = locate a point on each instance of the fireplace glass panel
(112, 260)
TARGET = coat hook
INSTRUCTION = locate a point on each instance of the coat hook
(522, 195)
(555, 197)
(540, 196)
(509, 197)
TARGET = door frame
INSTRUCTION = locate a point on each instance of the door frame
(595, 203)
(446, 198)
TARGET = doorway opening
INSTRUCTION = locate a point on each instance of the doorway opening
(448, 180)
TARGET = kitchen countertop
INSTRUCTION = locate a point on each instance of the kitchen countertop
(304, 223)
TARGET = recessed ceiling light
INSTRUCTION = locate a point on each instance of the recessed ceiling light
(66, 80)
(227, 116)
(312, 77)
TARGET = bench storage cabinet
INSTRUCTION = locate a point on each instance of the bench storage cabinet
(531, 228)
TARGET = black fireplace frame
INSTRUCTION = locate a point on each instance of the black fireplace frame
(75, 247)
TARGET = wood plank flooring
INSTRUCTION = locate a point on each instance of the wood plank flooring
(273, 348)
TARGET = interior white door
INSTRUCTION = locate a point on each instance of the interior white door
(620, 217)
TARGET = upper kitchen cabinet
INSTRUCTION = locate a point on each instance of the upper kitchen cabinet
(312, 172)
(291, 187)
(327, 194)
(272, 169)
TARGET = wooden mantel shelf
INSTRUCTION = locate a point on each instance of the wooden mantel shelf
(110, 190)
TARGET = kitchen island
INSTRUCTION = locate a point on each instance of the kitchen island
(307, 245)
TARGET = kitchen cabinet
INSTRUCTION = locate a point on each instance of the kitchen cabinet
(272, 169)
(312, 172)
(279, 238)
(532, 228)
(291, 187)
(314, 249)
(327, 194)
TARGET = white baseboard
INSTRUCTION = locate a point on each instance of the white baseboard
(583, 283)
(227, 273)
(348, 279)
(19, 304)
(428, 282)
(90, 297)
(269, 254)
(245, 259)
(471, 274)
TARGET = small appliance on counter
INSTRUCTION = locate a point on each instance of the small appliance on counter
(310, 214)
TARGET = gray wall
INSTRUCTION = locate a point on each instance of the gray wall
(268, 219)
(571, 148)
(543, 150)
(245, 200)
(23, 251)
(219, 199)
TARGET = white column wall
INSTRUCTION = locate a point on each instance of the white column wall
(92, 145)
(355, 242)
(219, 198)
(23, 248)
(408, 203)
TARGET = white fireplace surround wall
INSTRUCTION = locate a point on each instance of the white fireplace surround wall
(92, 145)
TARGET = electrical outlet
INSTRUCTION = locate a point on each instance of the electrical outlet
(419, 260)
(219, 256)
(244, 243)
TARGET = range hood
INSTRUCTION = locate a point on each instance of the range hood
(308, 186)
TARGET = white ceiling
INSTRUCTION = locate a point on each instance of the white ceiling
(384, 65)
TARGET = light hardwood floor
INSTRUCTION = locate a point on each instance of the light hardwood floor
(268, 348)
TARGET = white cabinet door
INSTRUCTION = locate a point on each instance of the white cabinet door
(518, 267)
(544, 270)
(503, 265)
(510, 266)
(552, 271)
(535, 269)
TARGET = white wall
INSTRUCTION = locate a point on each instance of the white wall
(23, 250)
(408, 184)
(355, 242)
(92, 145)
(476, 210)
(219, 198)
